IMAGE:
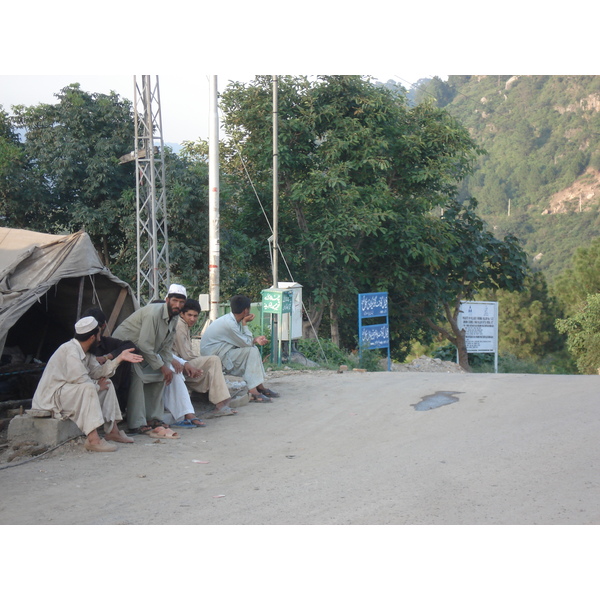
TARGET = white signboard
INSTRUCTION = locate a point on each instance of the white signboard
(480, 322)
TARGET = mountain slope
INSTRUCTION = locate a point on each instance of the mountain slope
(540, 177)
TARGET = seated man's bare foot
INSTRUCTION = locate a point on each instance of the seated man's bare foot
(118, 436)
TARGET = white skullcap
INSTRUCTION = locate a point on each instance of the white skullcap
(177, 289)
(86, 325)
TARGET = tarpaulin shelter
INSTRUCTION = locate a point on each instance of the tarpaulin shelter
(46, 283)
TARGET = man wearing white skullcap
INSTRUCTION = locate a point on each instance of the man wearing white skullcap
(152, 329)
(75, 386)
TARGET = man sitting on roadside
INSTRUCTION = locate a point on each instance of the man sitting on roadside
(212, 380)
(75, 386)
(152, 330)
(230, 338)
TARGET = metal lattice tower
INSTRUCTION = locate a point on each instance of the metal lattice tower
(152, 241)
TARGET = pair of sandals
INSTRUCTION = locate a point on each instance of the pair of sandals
(158, 430)
(264, 396)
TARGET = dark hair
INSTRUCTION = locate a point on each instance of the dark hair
(239, 303)
(191, 304)
(82, 337)
(97, 314)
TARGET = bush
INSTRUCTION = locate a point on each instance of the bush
(325, 353)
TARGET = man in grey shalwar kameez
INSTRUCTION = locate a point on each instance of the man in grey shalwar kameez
(152, 329)
(75, 386)
(230, 338)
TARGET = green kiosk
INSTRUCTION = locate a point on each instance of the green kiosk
(277, 302)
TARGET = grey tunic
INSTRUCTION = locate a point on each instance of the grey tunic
(151, 331)
(232, 342)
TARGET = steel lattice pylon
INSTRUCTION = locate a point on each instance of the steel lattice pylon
(152, 240)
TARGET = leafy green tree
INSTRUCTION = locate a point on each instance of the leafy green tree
(577, 283)
(583, 335)
(360, 173)
(470, 259)
(526, 320)
(435, 88)
(21, 198)
(75, 147)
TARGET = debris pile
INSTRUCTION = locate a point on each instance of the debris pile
(426, 364)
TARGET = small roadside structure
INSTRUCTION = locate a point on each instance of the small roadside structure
(46, 282)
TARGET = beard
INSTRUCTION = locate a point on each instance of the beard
(92, 349)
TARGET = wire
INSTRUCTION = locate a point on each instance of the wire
(39, 455)
(238, 149)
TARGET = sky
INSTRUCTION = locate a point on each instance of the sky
(184, 44)
(184, 98)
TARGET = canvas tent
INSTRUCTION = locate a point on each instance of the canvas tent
(46, 282)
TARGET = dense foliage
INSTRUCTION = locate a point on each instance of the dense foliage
(363, 181)
(583, 331)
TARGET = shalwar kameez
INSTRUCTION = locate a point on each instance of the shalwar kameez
(212, 380)
(69, 390)
(152, 331)
(232, 342)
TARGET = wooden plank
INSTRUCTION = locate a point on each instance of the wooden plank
(116, 311)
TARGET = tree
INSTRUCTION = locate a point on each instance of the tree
(470, 259)
(526, 319)
(583, 335)
(577, 283)
(75, 147)
(360, 173)
(21, 200)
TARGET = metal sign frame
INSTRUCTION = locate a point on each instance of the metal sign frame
(372, 305)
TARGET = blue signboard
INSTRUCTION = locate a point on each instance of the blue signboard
(377, 335)
(373, 305)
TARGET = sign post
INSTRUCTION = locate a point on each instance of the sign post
(480, 322)
(378, 335)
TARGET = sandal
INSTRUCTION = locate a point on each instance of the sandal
(140, 430)
(184, 424)
(226, 411)
(269, 393)
(190, 423)
(260, 398)
(163, 433)
(154, 423)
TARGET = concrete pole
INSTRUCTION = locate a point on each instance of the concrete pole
(214, 253)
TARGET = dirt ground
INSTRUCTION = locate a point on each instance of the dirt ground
(343, 448)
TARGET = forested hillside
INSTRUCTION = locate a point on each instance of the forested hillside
(540, 176)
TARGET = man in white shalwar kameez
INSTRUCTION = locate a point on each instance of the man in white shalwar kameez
(230, 338)
(75, 386)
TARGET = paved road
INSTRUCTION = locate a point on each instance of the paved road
(345, 449)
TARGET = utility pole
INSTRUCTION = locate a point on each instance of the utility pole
(152, 240)
(275, 186)
(275, 253)
(214, 252)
